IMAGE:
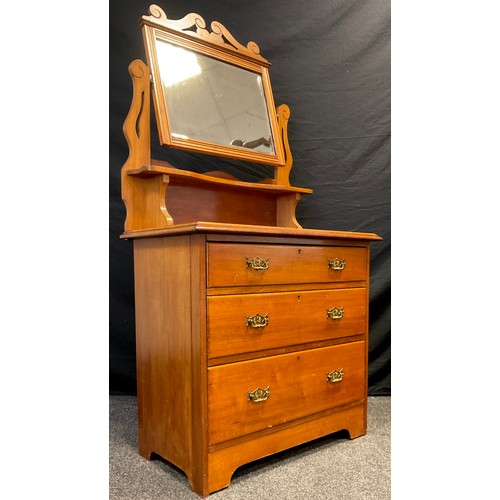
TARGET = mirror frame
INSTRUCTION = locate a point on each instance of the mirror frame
(190, 33)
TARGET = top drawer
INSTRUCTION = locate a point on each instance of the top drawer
(234, 264)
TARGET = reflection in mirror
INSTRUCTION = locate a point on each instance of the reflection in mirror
(213, 101)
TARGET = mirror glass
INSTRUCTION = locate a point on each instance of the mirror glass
(213, 101)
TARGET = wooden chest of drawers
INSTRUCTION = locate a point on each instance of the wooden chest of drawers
(248, 344)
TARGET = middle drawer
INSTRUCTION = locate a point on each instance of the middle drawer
(254, 322)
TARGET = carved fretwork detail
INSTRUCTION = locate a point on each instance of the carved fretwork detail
(194, 25)
(144, 199)
(283, 173)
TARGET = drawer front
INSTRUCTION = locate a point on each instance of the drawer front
(249, 264)
(254, 322)
(296, 384)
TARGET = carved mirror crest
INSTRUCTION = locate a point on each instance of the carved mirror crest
(211, 94)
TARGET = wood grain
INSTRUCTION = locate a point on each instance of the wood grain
(195, 413)
(298, 387)
(223, 463)
(238, 232)
(165, 371)
(287, 264)
(293, 318)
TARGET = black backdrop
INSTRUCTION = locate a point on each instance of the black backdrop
(331, 65)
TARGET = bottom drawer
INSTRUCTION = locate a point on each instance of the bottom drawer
(253, 395)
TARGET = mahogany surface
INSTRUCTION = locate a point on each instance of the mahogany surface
(295, 317)
(197, 360)
(298, 388)
(235, 360)
(287, 264)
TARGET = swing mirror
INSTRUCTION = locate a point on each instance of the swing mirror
(211, 94)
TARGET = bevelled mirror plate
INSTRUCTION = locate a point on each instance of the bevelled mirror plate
(211, 96)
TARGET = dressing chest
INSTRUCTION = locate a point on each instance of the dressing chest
(251, 332)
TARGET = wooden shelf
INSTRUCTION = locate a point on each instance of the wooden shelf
(216, 178)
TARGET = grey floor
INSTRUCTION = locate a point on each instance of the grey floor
(333, 468)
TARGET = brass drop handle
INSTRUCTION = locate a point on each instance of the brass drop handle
(335, 313)
(258, 264)
(336, 264)
(335, 376)
(257, 320)
(259, 395)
